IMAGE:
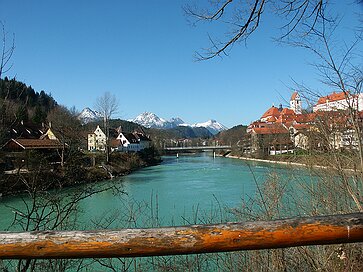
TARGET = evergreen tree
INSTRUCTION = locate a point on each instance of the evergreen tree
(39, 116)
(22, 113)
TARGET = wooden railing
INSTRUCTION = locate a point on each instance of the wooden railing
(318, 230)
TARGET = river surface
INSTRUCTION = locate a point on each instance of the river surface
(185, 190)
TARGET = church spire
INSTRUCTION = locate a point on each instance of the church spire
(295, 103)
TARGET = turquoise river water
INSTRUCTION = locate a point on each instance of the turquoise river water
(185, 190)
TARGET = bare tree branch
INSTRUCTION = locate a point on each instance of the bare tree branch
(107, 105)
(302, 16)
(6, 52)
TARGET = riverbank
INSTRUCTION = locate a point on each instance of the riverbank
(273, 161)
(287, 163)
(79, 170)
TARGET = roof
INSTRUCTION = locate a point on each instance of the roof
(287, 111)
(305, 118)
(333, 97)
(294, 95)
(115, 143)
(131, 138)
(113, 132)
(257, 124)
(301, 126)
(272, 129)
(273, 111)
(34, 144)
(271, 119)
(27, 131)
(142, 137)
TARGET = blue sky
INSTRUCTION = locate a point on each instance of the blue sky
(142, 51)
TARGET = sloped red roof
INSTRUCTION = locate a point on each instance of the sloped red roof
(287, 111)
(257, 124)
(332, 97)
(36, 143)
(273, 111)
(301, 126)
(305, 118)
(115, 143)
(272, 129)
(286, 116)
(271, 119)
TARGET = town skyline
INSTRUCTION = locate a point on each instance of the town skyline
(146, 60)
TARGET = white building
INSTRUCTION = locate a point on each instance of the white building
(129, 142)
(144, 141)
(97, 140)
(339, 101)
(295, 103)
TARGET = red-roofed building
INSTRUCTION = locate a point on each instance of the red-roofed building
(32, 144)
(21, 151)
(339, 101)
(270, 115)
(271, 139)
(286, 116)
(300, 135)
(281, 130)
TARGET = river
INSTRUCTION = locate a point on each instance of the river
(185, 190)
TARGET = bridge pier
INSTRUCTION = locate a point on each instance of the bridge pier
(214, 154)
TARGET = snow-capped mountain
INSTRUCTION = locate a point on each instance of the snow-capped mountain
(212, 125)
(176, 121)
(87, 115)
(151, 120)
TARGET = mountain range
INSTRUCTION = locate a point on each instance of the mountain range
(151, 120)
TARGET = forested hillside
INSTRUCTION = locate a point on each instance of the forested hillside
(232, 136)
(19, 102)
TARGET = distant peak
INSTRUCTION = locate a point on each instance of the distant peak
(88, 115)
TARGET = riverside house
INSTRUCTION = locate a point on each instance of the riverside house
(25, 140)
(119, 141)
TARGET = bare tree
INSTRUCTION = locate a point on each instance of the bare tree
(6, 52)
(240, 19)
(64, 123)
(340, 69)
(45, 209)
(107, 105)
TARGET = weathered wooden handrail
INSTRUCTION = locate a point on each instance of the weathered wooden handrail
(318, 230)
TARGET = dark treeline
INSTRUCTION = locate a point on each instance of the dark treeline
(19, 102)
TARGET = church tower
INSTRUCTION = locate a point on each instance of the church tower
(295, 103)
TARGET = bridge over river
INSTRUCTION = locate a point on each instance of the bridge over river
(213, 148)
